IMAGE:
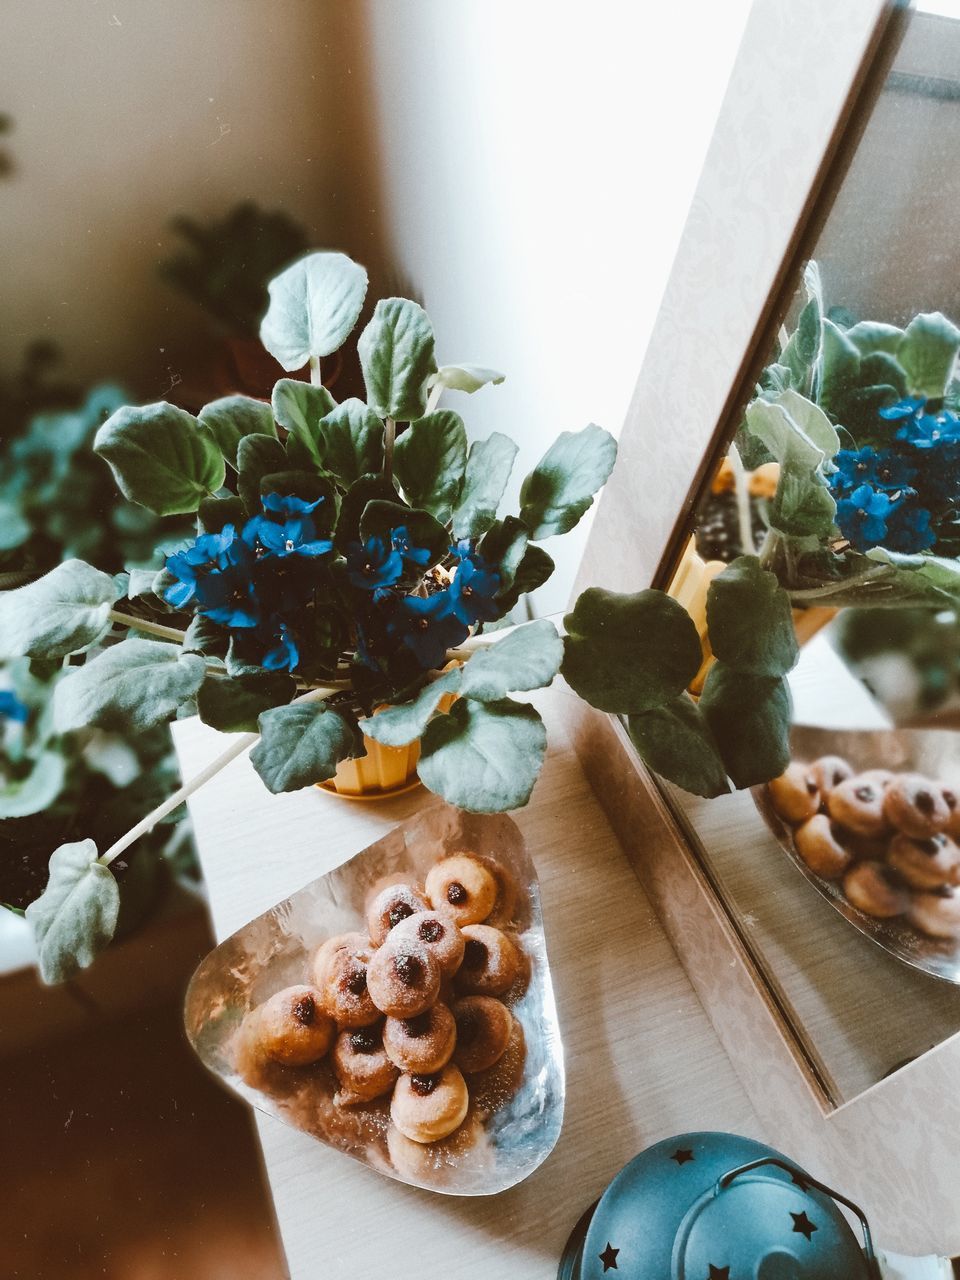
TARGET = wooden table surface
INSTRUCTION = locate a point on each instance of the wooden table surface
(642, 1060)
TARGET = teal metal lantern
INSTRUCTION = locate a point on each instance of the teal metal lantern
(711, 1206)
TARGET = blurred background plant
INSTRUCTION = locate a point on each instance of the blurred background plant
(908, 658)
(224, 265)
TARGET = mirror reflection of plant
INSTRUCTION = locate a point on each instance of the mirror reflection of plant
(860, 418)
(345, 554)
(909, 658)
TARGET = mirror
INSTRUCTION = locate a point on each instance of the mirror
(843, 469)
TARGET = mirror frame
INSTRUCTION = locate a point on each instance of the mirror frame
(804, 82)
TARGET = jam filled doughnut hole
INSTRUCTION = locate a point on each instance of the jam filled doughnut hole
(403, 978)
(491, 962)
(292, 1028)
(421, 1044)
(393, 904)
(439, 933)
(362, 1066)
(462, 887)
(426, 1108)
(340, 972)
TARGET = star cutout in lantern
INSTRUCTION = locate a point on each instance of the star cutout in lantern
(803, 1225)
(682, 1156)
(609, 1258)
(719, 1273)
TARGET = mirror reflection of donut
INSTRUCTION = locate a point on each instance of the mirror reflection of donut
(888, 839)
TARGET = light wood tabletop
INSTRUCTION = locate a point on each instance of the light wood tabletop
(642, 1060)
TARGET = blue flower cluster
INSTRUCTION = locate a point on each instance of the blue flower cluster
(899, 495)
(268, 583)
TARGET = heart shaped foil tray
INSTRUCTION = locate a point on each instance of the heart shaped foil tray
(516, 1106)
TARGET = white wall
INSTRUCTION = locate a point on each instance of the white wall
(537, 162)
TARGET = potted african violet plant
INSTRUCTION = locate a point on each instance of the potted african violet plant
(859, 422)
(345, 554)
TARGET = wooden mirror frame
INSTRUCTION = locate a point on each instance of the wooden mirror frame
(804, 82)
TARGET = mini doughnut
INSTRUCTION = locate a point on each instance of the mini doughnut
(439, 933)
(430, 1162)
(936, 914)
(292, 1027)
(362, 1066)
(422, 1044)
(340, 971)
(795, 794)
(404, 978)
(858, 805)
(925, 864)
(426, 1108)
(879, 777)
(828, 772)
(483, 1032)
(952, 801)
(819, 843)
(490, 962)
(462, 886)
(871, 889)
(391, 905)
(505, 904)
(916, 806)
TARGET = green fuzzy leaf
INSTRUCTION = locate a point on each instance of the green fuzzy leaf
(352, 441)
(429, 461)
(811, 421)
(749, 717)
(303, 744)
(233, 706)
(367, 489)
(257, 456)
(562, 485)
(38, 790)
(464, 377)
(803, 347)
(403, 723)
(76, 915)
(215, 513)
(489, 464)
(750, 621)
(231, 418)
(15, 528)
(65, 611)
(868, 336)
(300, 407)
(532, 572)
(839, 365)
(880, 369)
(504, 546)
(527, 658)
(629, 653)
(928, 352)
(802, 505)
(396, 355)
(140, 582)
(314, 304)
(483, 756)
(206, 637)
(675, 741)
(380, 518)
(135, 684)
(161, 457)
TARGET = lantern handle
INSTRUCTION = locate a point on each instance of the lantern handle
(725, 1179)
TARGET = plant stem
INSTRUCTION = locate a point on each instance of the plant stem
(433, 399)
(809, 595)
(237, 748)
(316, 377)
(389, 435)
(150, 628)
(742, 493)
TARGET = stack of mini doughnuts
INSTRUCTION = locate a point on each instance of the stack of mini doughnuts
(889, 838)
(414, 1004)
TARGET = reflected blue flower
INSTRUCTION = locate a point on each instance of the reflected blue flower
(908, 407)
(880, 468)
(400, 540)
(11, 708)
(862, 517)
(283, 655)
(909, 530)
(210, 553)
